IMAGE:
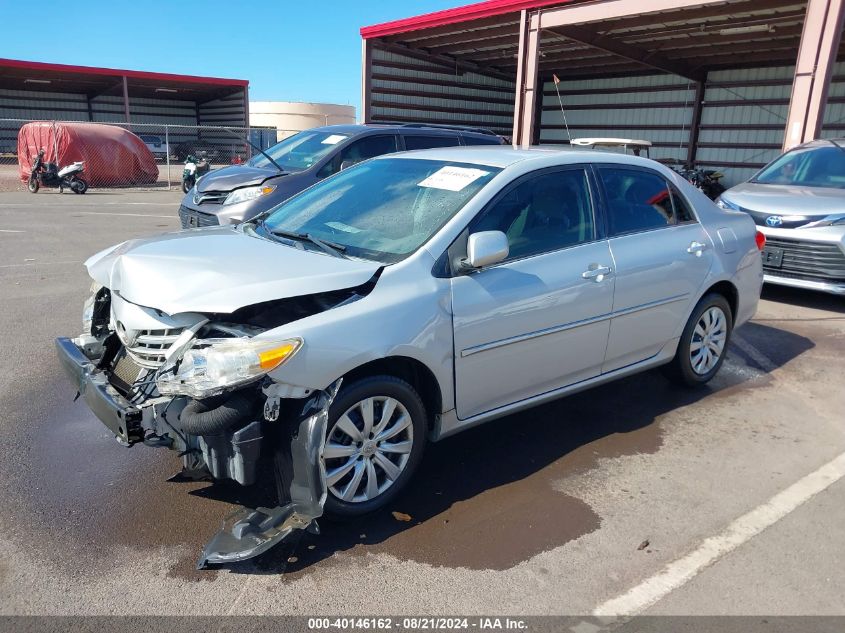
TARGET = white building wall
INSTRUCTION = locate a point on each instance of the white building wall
(289, 117)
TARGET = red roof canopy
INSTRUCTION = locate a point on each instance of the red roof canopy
(452, 16)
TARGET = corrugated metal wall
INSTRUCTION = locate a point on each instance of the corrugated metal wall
(743, 120)
(657, 108)
(38, 105)
(406, 89)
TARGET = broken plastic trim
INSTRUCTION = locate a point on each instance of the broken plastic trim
(249, 532)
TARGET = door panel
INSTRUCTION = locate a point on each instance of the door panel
(529, 326)
(656, 279)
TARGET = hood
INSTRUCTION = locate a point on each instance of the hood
(782, 200)
(219, 270)
(229, 178)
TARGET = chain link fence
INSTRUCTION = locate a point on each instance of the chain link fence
(123, 155)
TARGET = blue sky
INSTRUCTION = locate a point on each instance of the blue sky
(289, 51)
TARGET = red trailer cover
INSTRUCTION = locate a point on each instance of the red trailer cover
(113, 156)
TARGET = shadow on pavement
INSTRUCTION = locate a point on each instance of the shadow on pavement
(485, 499)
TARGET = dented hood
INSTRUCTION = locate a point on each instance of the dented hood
(219, 270)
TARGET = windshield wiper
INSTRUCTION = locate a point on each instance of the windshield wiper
(331, 248)
(255, 147)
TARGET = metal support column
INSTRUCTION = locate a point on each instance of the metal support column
(813, 69)
(695, 122)
(126, 99)
(526, 78)
(366, 79)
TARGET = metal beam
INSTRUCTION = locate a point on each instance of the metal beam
(628, 51)
(526, 78)
(366, 79)
(813, 69)
(603, 10)
(126, 99)
(695, 122)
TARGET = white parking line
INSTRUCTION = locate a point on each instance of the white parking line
(130, 215)
(26, 264)
(82, 204)
(10, 231)
(743, 529)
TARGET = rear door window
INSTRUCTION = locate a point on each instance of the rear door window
(637, 200)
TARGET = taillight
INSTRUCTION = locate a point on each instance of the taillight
(761, 240)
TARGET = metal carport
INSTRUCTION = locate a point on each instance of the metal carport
(722, 83)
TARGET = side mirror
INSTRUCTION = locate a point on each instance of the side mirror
(486, 248)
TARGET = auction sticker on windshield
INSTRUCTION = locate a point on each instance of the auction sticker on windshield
(334, 139)
(452, 178)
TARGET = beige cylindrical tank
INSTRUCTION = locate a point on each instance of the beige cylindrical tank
(290, 117)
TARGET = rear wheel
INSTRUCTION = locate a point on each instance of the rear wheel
(704, 342)
(374, 443)
(78, 185)
(33, 184)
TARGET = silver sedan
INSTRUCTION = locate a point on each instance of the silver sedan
(403, 300)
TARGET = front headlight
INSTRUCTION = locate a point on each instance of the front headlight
(88, 308)
(211, 366)
(249, 193)
(724, 204)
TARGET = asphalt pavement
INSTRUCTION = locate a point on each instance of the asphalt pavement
(637, 494)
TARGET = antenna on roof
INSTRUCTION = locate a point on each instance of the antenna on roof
(556, 79)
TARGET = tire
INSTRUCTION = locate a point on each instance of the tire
(78, 185)
(346, 457)
(712, 316)
(33, 185)
(187, 184)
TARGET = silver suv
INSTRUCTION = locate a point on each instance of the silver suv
(798, 201)
(413, 296)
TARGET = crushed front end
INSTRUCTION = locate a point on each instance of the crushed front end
(197, 384)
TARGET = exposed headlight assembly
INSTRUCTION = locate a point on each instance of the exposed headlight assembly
(211, 366)
(248, 193)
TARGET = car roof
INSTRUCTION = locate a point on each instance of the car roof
(824, 142)
(506, 155)
(358, 128)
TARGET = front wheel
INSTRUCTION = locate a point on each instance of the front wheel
(187, 184)
(77, 185)
(33, 184)
(375, 441)
(704, 342)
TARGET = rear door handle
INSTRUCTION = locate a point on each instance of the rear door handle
(597, 272)
(696, 248)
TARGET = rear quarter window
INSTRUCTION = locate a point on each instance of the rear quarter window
(415, 141)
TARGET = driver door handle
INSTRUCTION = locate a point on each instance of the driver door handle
(696, 248)
(597, 272)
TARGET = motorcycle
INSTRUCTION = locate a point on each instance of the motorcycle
(194, 169)
(49, 175)
(705, 180)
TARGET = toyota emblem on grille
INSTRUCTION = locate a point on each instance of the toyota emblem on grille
(774, 220)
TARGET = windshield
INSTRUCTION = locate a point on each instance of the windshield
(382, 209)
(808, 167)
(299, 151)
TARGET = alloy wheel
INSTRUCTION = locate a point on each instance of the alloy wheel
(367, 449)
(708, 340)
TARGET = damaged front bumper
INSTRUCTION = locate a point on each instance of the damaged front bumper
(112, 409)
(292, 448)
